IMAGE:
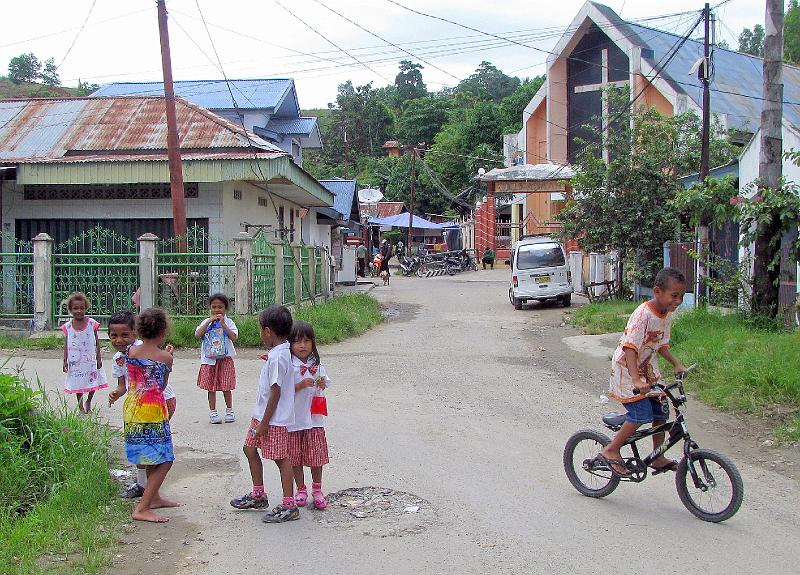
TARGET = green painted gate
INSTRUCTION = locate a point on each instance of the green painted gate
(263, 272)
(16, 263)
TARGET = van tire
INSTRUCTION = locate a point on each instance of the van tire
(518, 303)
(566, 301)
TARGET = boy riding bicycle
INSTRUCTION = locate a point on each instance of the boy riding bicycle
(634, 368)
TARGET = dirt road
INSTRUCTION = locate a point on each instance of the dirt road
(457, 410)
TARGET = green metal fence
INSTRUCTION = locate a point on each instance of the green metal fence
(305, 267)
(288, 273)
(16, 266)
(100, 263)
(263, 273)
(190, 268)
(318, 259)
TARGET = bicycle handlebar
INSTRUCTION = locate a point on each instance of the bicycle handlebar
(678, 381)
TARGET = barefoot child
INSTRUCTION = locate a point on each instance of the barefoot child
(635, 367)
(122, 334)
(83, 363)
(217, 372)
(307, 444)
(274, 412)
(148, 440)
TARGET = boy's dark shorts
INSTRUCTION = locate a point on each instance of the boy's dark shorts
(646, 410)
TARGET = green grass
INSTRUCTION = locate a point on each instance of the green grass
(47, 342)
(59, 510)
(337, 319)
(743, 365)
(604, 317)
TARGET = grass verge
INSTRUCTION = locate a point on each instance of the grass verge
(47, 342)
(59, 510)
(741, 367)
(335, 320)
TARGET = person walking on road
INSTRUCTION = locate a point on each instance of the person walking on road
(361, 254)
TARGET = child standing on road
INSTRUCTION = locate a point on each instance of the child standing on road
(83, 363)
(634, 368)
(273, 413)
(308, 446)
(148, 439)
(217, 372)
(122, 334)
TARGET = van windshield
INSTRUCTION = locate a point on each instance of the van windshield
(545, 255)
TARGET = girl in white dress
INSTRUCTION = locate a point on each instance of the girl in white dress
(83, 363)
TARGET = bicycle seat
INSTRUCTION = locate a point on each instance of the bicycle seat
(614, 419)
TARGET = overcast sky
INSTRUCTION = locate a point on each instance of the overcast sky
(259, 39)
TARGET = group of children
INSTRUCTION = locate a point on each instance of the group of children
(288, 423)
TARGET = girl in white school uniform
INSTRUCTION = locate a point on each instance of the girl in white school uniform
(308, 446)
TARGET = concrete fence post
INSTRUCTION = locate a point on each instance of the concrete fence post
(298, 273)
(243, 275)
(312, 273)
(147, 270)
(42, 282)
(278, 245)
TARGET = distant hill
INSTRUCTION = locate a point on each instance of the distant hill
(9, 89)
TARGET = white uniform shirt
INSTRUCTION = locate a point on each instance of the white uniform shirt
(119, 369)
(231, 350)
(277, 371)
(303, 419)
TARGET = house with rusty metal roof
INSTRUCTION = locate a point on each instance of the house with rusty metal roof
(268, 107)
(67, 164)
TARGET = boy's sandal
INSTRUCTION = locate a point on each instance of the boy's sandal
(671, 466)
(610, 463)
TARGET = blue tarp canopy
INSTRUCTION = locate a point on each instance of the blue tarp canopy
(401, 221)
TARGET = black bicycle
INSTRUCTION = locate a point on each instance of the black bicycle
(708, 483)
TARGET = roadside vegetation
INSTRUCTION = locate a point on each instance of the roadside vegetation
(59, 510)
(743, 364)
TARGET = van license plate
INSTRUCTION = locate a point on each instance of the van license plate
(542, 279)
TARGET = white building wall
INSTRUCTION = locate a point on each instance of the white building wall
(256, 208)
(315, 234)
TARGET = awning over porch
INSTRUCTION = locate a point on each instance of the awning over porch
(401, 221)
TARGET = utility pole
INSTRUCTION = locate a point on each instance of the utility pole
(173, 151)
(411, 199)
(702, 229)
(765, 280)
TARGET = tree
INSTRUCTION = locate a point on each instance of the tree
(791, 33)
(24, 68)
(752, 41)
(513, 105)
(488, 83)
(49, 75)
(625, 205)
(409, 82)
(421, 119)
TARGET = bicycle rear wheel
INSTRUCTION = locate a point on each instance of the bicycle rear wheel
(721, 492)
(582, 447)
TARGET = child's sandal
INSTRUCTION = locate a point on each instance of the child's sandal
(301, 497)
(319, 500)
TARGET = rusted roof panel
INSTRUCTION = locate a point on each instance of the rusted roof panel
(53, 128)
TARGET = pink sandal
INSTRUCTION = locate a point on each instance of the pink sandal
(319, 499)
(301, 497)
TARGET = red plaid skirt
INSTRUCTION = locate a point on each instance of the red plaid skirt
(276, 444)
(308, 448)
(218, 377)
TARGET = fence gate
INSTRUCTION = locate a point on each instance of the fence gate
(16, 261)
(318, 259)
(305, 267)
(100, 263)
(288, 273)
(189, 269)
(263, 272)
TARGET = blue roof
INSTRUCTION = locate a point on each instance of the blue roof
(344, 192)
(736, 87)
(214, 94)
(295, 126)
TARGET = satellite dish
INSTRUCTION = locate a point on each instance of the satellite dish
(369, 196)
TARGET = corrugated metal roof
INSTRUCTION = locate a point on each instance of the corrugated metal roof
(186, 157)
(295, 126)
(212, 94)
(53, 128)
(736, 86)
(344, 192)
(382, 209)
(526, 172)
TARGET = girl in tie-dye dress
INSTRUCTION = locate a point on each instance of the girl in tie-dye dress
(148, 440)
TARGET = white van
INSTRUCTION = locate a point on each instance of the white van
(539, 271)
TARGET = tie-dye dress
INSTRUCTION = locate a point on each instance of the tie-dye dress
(148, 440)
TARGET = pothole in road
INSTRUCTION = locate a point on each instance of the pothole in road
(398, 312)
(377, 511)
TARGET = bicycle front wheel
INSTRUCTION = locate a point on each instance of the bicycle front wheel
(581, 448)
(720, 493)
